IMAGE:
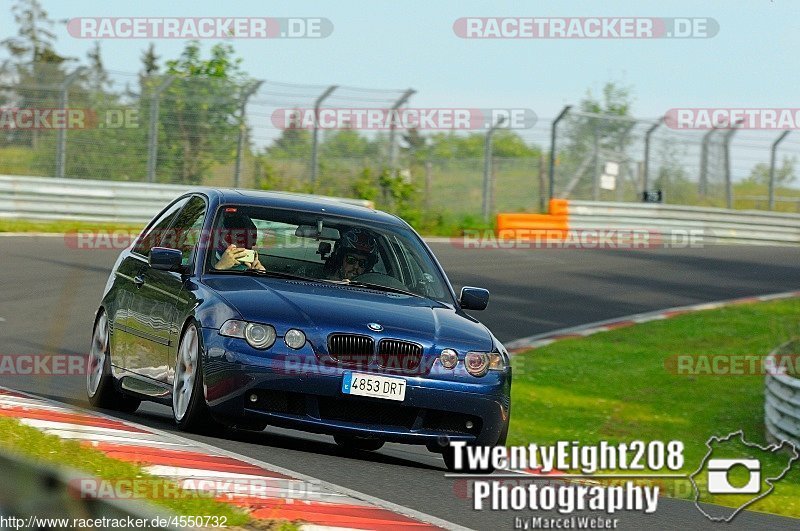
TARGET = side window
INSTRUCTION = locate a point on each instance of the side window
(185, 231)
(152, 237)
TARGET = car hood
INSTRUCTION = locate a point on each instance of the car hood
(321, 308)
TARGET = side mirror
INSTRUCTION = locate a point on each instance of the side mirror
(165, 259)
(474, 298)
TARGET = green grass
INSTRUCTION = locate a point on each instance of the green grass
(17, 161)
(22, 225)
(48, 449)
(614, 386)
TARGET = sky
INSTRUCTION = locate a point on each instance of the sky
(412, 44)
(748, 63)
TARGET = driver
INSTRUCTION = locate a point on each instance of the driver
(355, 253)
(237, 229)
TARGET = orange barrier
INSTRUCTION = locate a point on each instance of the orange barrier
(551, 226)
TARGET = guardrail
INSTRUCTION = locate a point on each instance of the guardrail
(782, 402)
(702, 224)
(34, 494)
(713, 224)
(44, 198)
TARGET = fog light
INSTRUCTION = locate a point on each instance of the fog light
(448, 358)
(294, 339)
(469, 424)
(253, 397)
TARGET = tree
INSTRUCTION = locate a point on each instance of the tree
(294, 142)
(35, 39)
(784, 174)
(150, 61)
(98, 77)
(505, 144)
(200, 111)
(416, 145)
(347, 143)
(34, 70)
(599, 132)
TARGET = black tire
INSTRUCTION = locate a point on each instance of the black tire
(196, 418)
(105, 394)
(362, 444)
(449, 456)
(438, 446)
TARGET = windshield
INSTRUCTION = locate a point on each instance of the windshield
(323, 248)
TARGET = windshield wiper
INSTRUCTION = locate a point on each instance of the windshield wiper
(379, 287)
(276, 274)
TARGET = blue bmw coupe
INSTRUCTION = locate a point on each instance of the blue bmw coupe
(246, 309)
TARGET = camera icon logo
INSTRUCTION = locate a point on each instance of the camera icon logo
(720, 483)
(741, 471)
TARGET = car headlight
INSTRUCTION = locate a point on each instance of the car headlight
(257, 335)
(294, 338)
(448, 358)
(479, 363)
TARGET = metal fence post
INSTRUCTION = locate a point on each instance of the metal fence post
(61, 141)
(392, 126)
(773, 153)
(596, 172)
(702, 185)
(152, 133)
(246, 93)
(542, 197)
(623, 162)
(647, 152)
(428, 175)
(727, 161)
(315, 136)
(487, 168)
(553, 127)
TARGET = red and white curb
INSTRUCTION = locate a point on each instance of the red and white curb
(540, 340)
(265, 491)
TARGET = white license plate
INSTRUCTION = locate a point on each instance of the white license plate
(354, 383)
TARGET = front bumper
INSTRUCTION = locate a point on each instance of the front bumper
(295, 389)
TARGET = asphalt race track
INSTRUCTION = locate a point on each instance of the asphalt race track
(49, 292)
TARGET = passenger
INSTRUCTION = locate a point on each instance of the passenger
(229, 256)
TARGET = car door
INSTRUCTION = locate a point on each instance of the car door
(127, 340)
(162, 298)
